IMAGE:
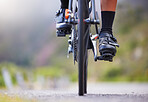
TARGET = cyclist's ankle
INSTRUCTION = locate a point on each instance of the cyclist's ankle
(107, 21)
(105, 33)
(106, 30)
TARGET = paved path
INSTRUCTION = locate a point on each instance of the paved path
(100, 92)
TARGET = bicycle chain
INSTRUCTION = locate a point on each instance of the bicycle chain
(75, 47)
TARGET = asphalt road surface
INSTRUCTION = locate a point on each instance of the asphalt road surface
(97, 92)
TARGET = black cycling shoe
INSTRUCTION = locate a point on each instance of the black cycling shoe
(107, 46)
(62, 27)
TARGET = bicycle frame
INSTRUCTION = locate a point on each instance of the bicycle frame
(80, 40)
(74, 21)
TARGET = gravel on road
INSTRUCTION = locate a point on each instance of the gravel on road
(97, 92)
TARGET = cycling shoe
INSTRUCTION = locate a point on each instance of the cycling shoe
(107, 46)
(62, 27)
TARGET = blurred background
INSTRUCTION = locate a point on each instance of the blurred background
(31, 56)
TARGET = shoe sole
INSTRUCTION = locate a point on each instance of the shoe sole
(106, 55)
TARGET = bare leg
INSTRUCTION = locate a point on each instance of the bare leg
(108, 5)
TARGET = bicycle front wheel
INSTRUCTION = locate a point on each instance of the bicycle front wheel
(83, 37)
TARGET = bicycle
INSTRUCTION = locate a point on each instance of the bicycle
(81, 40)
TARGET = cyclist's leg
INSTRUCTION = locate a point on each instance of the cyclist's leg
(108, 8)
(62, 27)
(107, 43)
(108, 5)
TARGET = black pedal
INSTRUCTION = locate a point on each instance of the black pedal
(106, 57)
(60, 33)
(63, 33)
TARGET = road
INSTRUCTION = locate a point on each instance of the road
(97, 92)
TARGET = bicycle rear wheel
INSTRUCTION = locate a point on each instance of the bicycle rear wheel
(83, 37)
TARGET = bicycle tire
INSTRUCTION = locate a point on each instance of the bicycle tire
(83, 30)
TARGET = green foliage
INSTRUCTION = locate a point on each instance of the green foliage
(51, 72)
(113, 72)
(13, 70)
(7, 98)
(74, 77)
(2, 84)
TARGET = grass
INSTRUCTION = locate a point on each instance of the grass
(6, 98)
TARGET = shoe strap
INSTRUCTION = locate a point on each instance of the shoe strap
(106, 38)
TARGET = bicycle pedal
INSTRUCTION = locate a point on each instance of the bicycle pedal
(106, 57)
(62, 33)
